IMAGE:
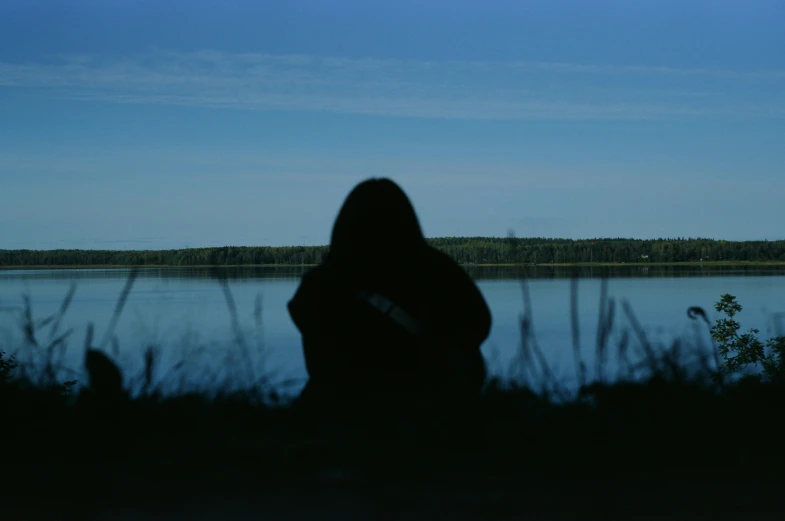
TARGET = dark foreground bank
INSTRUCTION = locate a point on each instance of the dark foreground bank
(629, 451)
(675, 439)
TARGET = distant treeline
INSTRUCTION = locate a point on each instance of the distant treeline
(482, 250)
(465, 250)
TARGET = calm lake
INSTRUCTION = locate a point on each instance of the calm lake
(183, 313)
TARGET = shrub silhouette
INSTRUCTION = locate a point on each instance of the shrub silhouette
(741, 351)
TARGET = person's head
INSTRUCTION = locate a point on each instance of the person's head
(376, 224)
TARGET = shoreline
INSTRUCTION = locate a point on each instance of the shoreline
(478, 265)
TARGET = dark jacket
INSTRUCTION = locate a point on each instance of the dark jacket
(385, 311)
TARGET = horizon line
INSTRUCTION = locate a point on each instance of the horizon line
(663, 239)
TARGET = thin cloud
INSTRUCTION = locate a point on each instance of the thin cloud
(403, 88)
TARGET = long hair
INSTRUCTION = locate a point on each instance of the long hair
(376, 229)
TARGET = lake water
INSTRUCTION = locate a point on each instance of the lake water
(184, 314)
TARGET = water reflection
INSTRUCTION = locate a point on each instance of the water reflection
(617, 272)
(240, 273)
(244, 273)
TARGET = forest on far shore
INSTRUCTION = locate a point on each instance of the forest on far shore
(465, 250)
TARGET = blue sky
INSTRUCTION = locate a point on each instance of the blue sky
(175, 124)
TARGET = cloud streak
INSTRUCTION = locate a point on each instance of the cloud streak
(404, 88)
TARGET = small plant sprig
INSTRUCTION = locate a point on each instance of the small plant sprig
(7, 367)
(739, 352)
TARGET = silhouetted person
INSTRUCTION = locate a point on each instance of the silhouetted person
(386, 314)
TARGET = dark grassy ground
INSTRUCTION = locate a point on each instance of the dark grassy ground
(625, 449)
(669, 443)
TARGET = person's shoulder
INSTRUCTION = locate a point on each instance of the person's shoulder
(456, 293)
(318, 276)
(448, 278)
(315, 299)
(322, 283)
(443, 269)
